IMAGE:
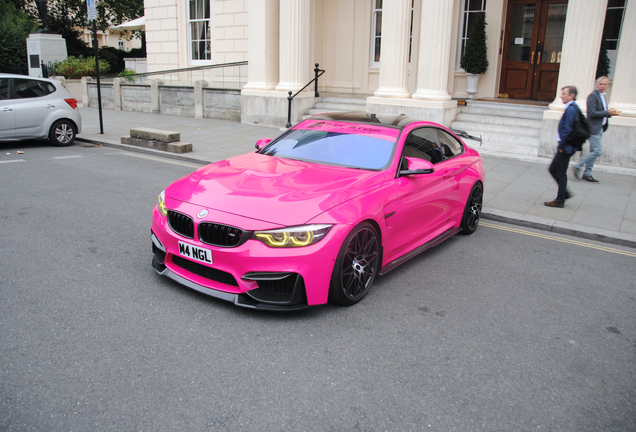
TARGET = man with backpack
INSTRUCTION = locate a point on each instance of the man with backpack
(597, 115)
(559, 166)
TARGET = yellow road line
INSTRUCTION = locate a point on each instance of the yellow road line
(559, 239)
(164, 160)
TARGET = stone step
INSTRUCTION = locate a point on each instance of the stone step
(493, 129)
(497, 120)
(145, 133)
(503, 150)
(342, 100)
(173, 147)
(488, 137)
(506, 106)
(331, 106)
(501, 110)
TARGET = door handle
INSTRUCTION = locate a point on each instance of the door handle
(7, 109)
(447, 174)
(50, 106)
(532, 58)
(538, 57)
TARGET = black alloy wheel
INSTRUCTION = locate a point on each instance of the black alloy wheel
(472, 212)
(62, 133)
(356, 266)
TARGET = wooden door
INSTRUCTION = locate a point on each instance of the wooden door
(532, 49)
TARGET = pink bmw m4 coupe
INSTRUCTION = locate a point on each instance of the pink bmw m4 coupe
(318, 213)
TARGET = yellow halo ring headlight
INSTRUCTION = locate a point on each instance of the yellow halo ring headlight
(161, 203)
(293, 236)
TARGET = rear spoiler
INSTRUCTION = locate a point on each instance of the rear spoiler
(466, 135)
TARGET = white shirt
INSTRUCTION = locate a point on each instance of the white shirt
(604, 106)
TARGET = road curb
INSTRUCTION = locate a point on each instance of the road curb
(567, 228)
(136, 149)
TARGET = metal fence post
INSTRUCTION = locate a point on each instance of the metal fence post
(289, 101)
(316, 70)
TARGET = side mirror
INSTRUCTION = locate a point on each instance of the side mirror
(262, 143)
(417, 166)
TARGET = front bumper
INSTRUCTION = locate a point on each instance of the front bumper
(252, 274)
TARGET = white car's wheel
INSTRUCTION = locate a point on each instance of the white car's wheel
(62, 133)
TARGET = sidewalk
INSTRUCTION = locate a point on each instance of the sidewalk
(515, 189)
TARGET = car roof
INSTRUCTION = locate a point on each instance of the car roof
(8, 75)
(394, 121)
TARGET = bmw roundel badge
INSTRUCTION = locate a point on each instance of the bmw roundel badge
(202, 214)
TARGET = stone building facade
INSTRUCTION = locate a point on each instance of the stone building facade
(403, 55)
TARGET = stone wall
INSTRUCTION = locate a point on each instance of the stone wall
(215, 103)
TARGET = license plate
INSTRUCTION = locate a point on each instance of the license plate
(196, 253)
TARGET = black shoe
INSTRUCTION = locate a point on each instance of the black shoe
(568, 195)
(589, 179)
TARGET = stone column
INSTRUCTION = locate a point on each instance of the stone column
(434, 53)
(117, 96)
(581, 44)
(394, 49)
(294, 44)
(199, 101)
(154, 96)
(263, 44)
(86, 100)
(623, 95)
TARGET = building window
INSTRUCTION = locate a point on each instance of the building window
(376, 26)
(470, 9)
(612, 29)
(121, 46)
(377, 32)
(199, 30)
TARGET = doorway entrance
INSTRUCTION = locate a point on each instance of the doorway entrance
(532, 49)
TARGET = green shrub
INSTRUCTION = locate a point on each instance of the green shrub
(475, 57)
(78, 67)
(603, 67)
(114, 57)
(126, 74)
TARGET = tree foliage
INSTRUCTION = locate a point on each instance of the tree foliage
(15, 26)
(475, 57)
(603, 68)
(69, 17)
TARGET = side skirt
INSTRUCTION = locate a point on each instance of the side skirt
(437, 240)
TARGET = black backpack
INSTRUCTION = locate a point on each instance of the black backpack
(580, 132)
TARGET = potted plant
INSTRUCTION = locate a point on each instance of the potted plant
(475, 58)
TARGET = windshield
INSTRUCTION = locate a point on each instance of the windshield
(333, 148)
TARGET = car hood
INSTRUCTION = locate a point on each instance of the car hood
(271, 189)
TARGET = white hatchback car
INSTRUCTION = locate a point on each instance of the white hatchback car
(37, 108)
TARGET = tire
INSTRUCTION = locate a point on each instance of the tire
(356, 266)
(472, 212)
(62, 133)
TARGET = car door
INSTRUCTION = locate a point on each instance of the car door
(422, 202)
(453, 167)
(7, 111)
(34, 103)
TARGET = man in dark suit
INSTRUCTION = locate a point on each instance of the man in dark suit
(597, 114)
(559, 166)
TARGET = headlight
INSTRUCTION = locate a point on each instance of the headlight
(293, 236)
(161, 203)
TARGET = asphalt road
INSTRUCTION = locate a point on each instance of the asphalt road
(507, 329)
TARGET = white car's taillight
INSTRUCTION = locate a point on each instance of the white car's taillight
(71, 102)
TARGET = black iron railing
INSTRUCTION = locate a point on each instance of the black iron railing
(318, 73)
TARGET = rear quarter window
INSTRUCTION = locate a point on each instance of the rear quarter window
(28, 88)
(4, 89)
